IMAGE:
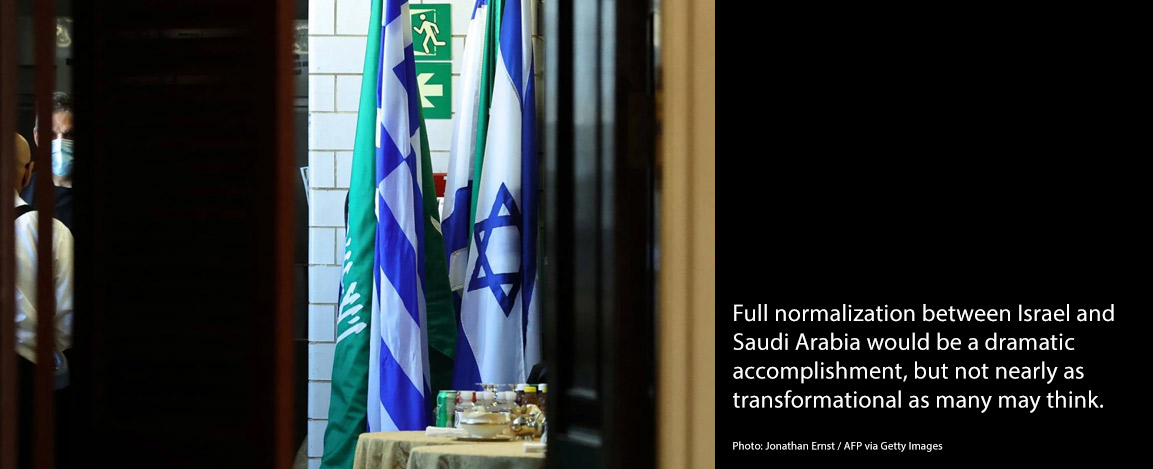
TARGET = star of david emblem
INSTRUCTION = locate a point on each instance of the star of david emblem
(504, 213)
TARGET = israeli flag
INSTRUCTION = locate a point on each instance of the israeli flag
(500, 316)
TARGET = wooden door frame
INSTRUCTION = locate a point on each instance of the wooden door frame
(687, 335)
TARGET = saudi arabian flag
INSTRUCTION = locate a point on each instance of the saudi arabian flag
(347, 411)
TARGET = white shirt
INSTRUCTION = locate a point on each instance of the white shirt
(26, 239)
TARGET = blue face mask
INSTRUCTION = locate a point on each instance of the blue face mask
(62, 157)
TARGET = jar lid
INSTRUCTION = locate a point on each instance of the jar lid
(530, 389)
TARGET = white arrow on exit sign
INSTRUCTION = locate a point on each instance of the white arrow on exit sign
(427, 90)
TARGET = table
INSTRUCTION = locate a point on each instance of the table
(414, 450)
(508, 455)
(390, 450)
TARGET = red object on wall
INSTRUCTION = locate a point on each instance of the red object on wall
(438, 181)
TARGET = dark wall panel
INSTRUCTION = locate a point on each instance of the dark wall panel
(599, 196)
(181, 277)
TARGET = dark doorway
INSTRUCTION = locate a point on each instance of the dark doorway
(184, 252)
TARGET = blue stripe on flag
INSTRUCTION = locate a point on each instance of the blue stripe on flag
(400, 259)
(510, 44)
(479, 3)
(417, 216)
(398, 395)
(465, 370)
(529, 175)
(392, 10)
(388, 155)
(455, 225)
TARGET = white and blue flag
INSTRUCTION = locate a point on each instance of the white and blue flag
(499, 339)
(456, 211)
(398, 388)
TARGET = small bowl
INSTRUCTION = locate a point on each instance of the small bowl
(484, 424)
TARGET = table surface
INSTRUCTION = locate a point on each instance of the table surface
(397, 450)
(390, 450)
(476, 456)
(411, 437)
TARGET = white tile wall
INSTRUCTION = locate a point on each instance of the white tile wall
(321, 16)
(331, 131)
(316, 438)
(352, 16)
(439, 161)
(320, 93)
(320, 361)
(347, 93)
(321, 245)
(337, 34)
(439, 134)
(318, 396)
(327, 208)
(461, 13)
(320, 172)
(336, 54)
(322, 322)
(340, 242)
(343, 168)
(324, 283)
(458, 49)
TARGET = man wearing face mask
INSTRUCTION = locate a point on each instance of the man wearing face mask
(61, 157)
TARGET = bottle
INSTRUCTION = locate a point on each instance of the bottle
(530, 396)
(543, 396)
(486, 402)
(498, 404)
(506, 400)
(520, 395)
(465, 402)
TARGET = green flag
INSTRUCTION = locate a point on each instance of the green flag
(487, 73)
(347, 411)
(440, 313)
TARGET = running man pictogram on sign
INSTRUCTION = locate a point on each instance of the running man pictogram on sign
(432, 30)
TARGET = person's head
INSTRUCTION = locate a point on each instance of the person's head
(24, 164)
(61, 118)
(61, 139)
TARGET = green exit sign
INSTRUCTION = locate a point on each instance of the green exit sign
(431, 31)
(434, 84)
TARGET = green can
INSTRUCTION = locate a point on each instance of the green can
(445, 408)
